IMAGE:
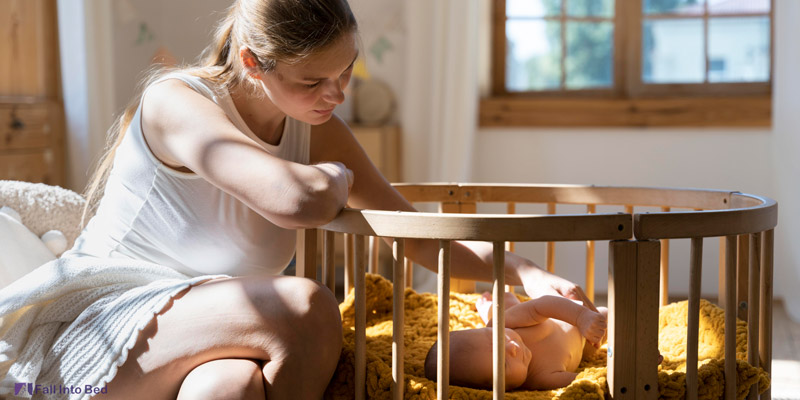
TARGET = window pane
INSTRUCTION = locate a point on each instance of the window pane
(590, 8)
(679, 7)
(532, 8)
(589, 54)
(672, 51)
(738, 49)
(738, 6)
(533, 57)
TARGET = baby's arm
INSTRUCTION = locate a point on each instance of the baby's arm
(592, 325)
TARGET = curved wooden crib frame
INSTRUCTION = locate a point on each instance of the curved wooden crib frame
(638, 264)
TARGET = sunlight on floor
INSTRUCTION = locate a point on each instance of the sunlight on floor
(785, 379)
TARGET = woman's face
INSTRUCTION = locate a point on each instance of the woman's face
(308, 91)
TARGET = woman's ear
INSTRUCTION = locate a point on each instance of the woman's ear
(250, 62)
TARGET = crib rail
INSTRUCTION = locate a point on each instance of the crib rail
(482, 227)
(638, 266)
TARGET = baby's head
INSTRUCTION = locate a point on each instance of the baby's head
(471, 359)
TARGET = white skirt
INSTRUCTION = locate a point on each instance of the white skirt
(67, 327)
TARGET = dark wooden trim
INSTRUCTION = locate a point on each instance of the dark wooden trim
(627, 74)
(728, 111)
(498, 72)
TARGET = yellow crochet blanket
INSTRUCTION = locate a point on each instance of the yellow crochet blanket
(420, 334)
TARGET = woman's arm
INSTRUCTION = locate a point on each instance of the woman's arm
(333, 141)
(186, 130)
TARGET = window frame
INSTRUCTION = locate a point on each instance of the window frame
(630, 102)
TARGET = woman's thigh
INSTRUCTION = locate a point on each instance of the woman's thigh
(259, 318)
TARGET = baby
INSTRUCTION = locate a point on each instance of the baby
(544, 344)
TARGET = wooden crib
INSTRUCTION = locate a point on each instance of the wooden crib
(638, 266)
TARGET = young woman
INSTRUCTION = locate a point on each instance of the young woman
(212, 170)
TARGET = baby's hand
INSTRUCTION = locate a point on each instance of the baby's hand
(592, 326)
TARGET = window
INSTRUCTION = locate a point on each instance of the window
(630, 63)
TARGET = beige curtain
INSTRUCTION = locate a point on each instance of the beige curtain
(440, 103)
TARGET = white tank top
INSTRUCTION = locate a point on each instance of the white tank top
(155, 213)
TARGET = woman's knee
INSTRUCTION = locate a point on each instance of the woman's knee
(308, 303)
(224, 379)
(317, 325)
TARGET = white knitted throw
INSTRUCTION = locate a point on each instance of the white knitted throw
(71, 322)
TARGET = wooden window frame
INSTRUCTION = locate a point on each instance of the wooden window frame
(630, 102)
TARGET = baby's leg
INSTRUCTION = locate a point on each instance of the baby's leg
(484, 304)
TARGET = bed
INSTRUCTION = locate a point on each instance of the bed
(638, 265)
(638, 223)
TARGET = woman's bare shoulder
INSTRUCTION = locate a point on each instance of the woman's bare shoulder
(176, 119)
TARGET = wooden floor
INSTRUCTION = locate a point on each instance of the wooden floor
(785, 355)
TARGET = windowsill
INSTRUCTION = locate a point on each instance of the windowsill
(729, 111)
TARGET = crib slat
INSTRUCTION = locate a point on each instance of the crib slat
(460, 285)
(348, 262)
(730, 317)
(360, 317)
(664, 279)
(721, 273)
(742, 261)
(443, 355)
(753, 308)
(306, 254)
(398, 320)
(328, 260)
(511, 208)
(765, 317)
(409, 270)
(550, 256)
(374, 248)
(499, 322)
(693, 325)
(590, 209)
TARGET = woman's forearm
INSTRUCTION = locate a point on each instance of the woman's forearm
(471, 260)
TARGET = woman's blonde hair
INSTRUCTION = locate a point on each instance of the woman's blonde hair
(274, 30)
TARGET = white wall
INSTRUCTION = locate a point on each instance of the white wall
(786, 152)
(142, 27)
(759, 161)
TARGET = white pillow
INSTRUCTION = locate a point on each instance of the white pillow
(20, 250)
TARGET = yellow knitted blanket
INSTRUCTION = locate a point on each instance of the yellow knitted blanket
(420, 334)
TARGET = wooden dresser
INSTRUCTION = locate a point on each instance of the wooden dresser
(382, 144)
(31, 110)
